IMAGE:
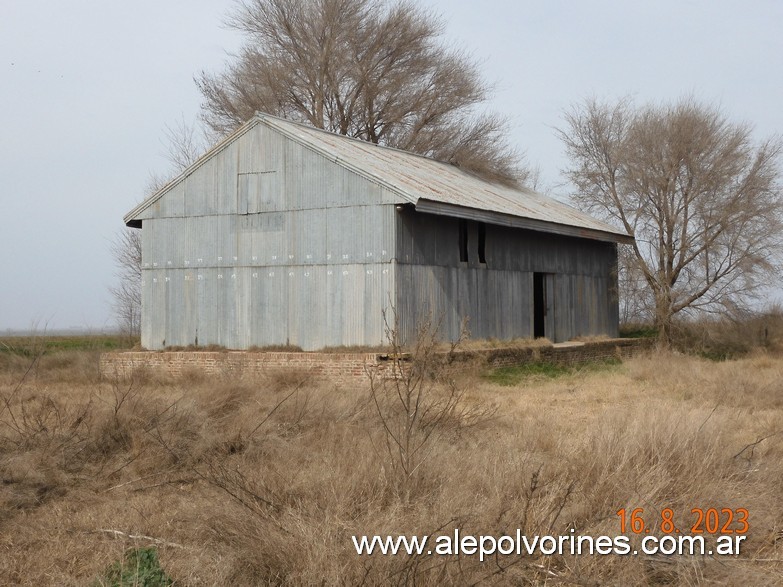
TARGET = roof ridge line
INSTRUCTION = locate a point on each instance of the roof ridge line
(524, 190)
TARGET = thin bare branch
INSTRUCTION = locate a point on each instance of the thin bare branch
(375, 70)
(702, 200)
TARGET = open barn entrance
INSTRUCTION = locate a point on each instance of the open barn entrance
(543, 305)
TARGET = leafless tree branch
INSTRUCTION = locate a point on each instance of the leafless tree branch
(702, 200)
(370, 69)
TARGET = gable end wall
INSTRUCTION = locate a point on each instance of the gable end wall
(267, 243)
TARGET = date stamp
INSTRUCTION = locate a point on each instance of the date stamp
(700, 521)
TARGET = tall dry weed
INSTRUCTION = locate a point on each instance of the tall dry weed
(265, 480)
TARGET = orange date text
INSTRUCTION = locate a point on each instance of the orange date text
(699, 521)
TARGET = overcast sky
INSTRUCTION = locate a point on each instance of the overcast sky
(87, 88)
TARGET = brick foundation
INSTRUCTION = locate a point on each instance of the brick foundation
(346, 368)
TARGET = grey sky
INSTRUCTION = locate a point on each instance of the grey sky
(86, 89)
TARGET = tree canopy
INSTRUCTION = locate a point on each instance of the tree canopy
(375, 70)
(702, 199)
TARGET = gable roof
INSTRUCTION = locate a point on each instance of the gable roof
(429, 185)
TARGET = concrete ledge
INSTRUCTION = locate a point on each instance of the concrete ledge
(348, 368)
(571, 353)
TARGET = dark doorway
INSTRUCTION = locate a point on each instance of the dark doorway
(539, 305)
(544, 305)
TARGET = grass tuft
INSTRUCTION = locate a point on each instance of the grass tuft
(138, 568)
(511, 376)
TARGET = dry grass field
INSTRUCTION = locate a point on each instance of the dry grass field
(255, 482)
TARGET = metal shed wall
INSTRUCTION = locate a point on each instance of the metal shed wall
(497, 296)
(267, 243)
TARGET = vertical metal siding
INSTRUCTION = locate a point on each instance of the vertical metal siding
(199, 190)
(304, 266)
(225, 185)
(175, 205)
(498, 297)
(322, 251)
(307, 237)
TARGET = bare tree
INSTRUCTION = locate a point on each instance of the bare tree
(375, 70)
(703, 201)
(126, 250)
(636, 303)
(184, 144)
(370, 69)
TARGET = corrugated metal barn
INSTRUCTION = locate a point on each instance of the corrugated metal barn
(285, 234)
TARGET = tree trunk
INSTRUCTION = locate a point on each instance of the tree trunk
(663, 318)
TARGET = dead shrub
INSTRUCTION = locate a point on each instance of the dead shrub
(289, 378)
(192, 375)
(264, 482)
(417, 399)
(731, 335)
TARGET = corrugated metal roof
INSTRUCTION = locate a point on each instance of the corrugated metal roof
(417, 178)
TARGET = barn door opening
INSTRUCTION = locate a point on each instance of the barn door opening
(543, 305)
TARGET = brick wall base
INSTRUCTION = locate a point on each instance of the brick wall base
(346, 368)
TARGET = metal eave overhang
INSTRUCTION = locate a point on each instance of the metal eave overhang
(491, 217)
